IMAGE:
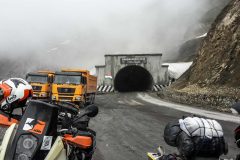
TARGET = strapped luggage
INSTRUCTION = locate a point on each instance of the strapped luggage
(195, 136)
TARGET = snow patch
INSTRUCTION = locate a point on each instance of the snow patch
(201, 36)
(175, 70)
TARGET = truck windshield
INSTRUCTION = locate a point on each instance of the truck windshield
(37, 79)
(67, 79)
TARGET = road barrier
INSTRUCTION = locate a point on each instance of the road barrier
(110, 88)
(158, 87)
(105, 89)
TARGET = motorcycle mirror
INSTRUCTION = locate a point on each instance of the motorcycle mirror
(161, 150)
(1, 94)
(91, 110)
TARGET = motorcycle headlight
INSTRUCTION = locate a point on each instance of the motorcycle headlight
(26, 146)
(23, 157)
(28, 143)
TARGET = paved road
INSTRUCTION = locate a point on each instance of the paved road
(127, 127)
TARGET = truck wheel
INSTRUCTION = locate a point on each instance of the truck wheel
(90, 99)
(93, 98)
(87, 100)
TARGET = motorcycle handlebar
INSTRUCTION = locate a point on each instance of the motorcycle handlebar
(68, 106)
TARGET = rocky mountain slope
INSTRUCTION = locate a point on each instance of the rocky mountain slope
(215, 71)
(188, 50)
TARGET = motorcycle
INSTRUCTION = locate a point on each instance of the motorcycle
(210, 145)
(235, 108)
(157, 155)
(50, 131)
(161, 155)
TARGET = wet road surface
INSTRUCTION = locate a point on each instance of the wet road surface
(127, 127)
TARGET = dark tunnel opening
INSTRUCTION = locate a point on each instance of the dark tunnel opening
(133, 78)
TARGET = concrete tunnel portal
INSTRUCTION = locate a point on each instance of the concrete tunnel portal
(132, 72)
(133, 78)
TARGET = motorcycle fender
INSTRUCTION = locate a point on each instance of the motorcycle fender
(57, 152)
(7, 139)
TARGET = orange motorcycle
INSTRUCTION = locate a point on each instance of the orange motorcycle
(48, 131)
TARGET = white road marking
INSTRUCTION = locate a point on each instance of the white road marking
(121, 102)
(133, 102)
(184, 108)
(130, 102)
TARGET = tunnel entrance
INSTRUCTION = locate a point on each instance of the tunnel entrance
(133, 78)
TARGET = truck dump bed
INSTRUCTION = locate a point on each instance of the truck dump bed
(91, 84)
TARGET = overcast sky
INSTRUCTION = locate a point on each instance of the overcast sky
(79, 32)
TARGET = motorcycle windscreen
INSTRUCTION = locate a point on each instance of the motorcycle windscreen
(35, 133)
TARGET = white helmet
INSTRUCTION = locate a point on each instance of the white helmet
(14, 92)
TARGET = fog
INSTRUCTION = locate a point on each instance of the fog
(77, 33)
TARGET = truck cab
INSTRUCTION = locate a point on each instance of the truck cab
(68, 86)
(41, 84)
(74, 85)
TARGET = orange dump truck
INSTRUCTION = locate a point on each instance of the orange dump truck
(41, 83)
(74, 85)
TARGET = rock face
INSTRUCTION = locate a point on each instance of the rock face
(218, 59)
(214, 77)
(187, 52)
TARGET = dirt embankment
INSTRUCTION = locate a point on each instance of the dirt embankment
(214, 77)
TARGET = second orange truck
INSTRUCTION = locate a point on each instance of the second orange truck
(74, 85)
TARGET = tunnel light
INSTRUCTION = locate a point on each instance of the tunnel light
(108, 77)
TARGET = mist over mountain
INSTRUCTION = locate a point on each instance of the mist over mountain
(212, 81)
(77, 33)
(196, 33)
